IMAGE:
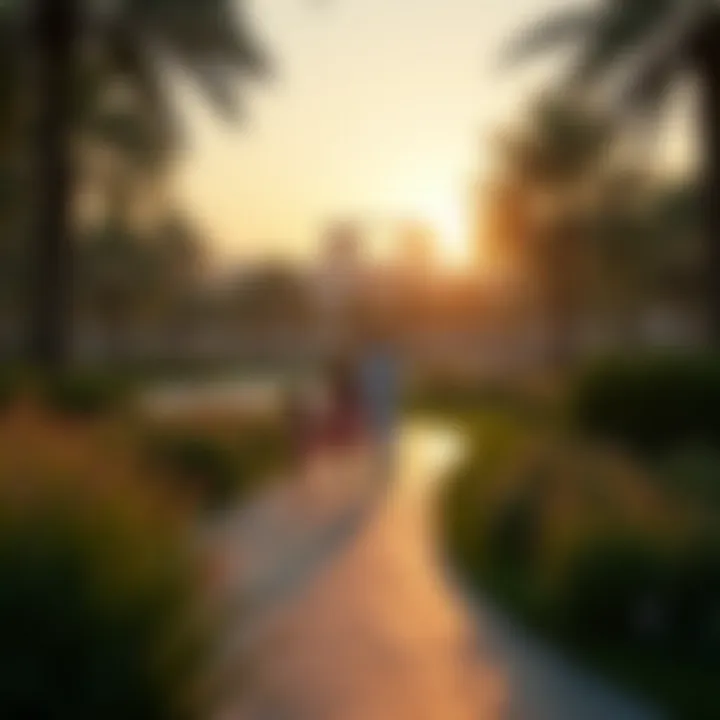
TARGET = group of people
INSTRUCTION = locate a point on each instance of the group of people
(355, 414)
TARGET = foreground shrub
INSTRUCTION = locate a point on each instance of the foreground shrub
(467, 503)
(262, 448)
(217, 467)
(10, 385)
(696, 623)
(694, 471)
(592, 550)
(82, 393)
(631, 592)
(97, 614)
(651, 404)
(616, 590)
(452, 396)
(204, 466)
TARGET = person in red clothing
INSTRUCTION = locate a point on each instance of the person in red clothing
(345, 422)
(301, 430)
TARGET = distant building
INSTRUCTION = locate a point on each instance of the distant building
(416, 249)
(340, 274)
(342, 246)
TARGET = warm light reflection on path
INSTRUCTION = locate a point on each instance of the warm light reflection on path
(379, 633)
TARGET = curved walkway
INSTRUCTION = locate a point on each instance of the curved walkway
(353, 618)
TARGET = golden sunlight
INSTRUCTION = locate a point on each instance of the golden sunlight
(446, 216)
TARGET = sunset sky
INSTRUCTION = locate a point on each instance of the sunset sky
(378, 108)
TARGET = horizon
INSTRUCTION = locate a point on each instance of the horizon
(339, 132)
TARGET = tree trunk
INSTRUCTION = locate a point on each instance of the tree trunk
(707, 65)
(55, 36)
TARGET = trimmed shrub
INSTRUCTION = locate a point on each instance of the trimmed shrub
(206, 467)
(97, 615)
(630, 592)
(83, 394)
(217, 467)
(10, 385)
(262, 448)
(456, 397)
(590, 549)
(617, 590)
(652, 404)
(466, 501)
(515, 529)
(694, 471)
(697, 599)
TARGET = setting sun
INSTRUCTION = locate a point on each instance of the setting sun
(447, 218)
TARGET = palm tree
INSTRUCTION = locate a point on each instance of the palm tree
(627, 251)
(79, 46)
(655, 40)
(57, 31)
(132, 285)
(550, 168)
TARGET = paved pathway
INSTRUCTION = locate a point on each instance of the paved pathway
(349, 616)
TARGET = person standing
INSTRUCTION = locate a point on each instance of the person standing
(345, 421)
(301, 429)
(379, 381)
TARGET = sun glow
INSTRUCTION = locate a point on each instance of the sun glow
(445, 215)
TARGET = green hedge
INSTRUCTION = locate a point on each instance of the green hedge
(97, 616)
(594, 552)
(83, 394)
(651, 404)
(218, 467)
(10, 385)
(617, 590)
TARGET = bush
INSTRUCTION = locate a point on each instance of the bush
(205, 467)
(83, 394)
(616, 590)
(466, 500)
(588, 548)
(695, 472)
(10, 384)
(631, 592)
(515, 529)
(262, 448)
(697, 600)
(97, 615)
(217, 467)
(453, 397)
(652, 404)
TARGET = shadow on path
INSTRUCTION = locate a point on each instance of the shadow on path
(307, 559)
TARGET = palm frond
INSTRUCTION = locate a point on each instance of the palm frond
(622, 28)
(648, 89)
(660, 57)
(568, 27)
(211, 40)
(132, 62)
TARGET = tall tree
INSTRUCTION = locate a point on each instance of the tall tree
(57, 34)
(550, 167)
(79, 45)
(135, 285)
(655, 41)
